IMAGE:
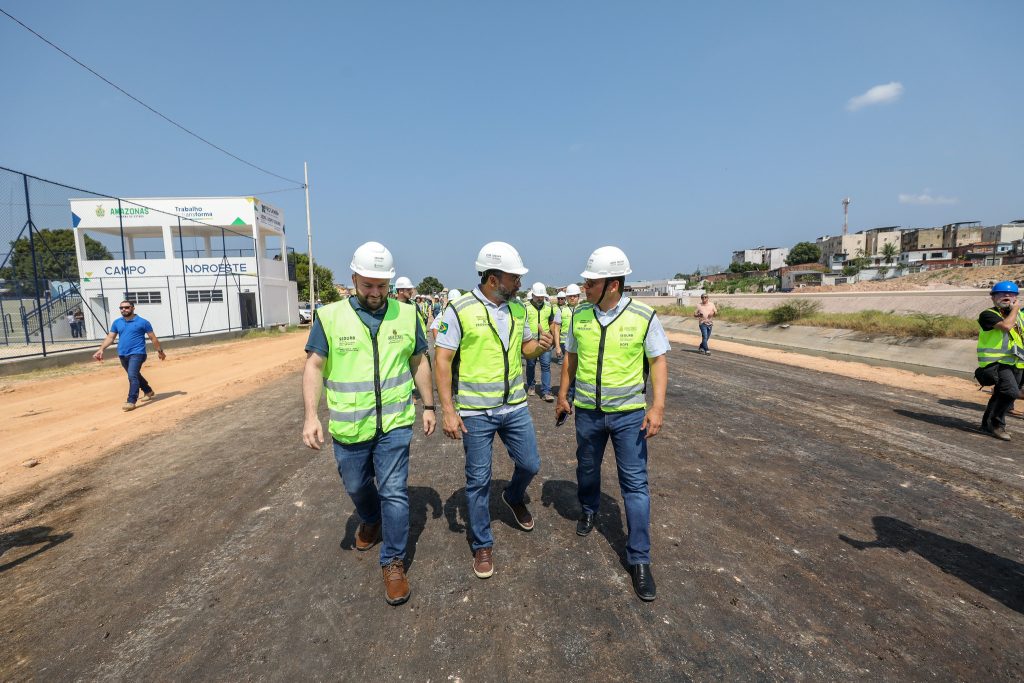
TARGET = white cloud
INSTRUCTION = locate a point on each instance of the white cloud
(880, 94)
(926, 198)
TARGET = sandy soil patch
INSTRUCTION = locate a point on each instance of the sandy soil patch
(70, 416)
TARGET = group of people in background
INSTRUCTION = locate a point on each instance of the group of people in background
(369, 352)
(76, 321)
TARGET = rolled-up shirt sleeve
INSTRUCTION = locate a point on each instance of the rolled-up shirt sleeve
(317, 342)
(449, 333)
(656, 343)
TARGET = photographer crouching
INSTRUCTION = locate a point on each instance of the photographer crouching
(1000, 356)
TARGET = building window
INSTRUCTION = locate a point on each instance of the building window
(143, 297)
(202, 296)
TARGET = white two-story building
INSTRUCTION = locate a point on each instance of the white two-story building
(191, 265)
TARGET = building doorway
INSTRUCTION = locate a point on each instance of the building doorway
(247, 309)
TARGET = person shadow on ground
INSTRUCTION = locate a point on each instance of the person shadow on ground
(456, 509)
(996, 576)
(26, 538)
(421, 500)
(561, 495)
(941, 420)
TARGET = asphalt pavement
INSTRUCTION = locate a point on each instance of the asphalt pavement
(805, 527)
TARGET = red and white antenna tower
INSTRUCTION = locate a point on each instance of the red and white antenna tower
(846, 214)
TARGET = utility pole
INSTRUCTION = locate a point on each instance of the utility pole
(846, 213)
(309, 242)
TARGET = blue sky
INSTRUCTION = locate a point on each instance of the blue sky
(679, 131)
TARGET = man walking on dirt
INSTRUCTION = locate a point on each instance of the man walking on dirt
(1000, 355)
(705, 313)
(612, 341)
(365, 353)
(481, 340)
(131, 331)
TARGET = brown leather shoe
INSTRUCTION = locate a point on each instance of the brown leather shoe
(367, 536)
(483, 564)
(522, 516)
(396, 583)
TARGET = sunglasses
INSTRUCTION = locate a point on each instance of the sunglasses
(126, 308)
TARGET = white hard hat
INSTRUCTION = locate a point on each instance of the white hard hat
(573, 290)
(373, 260)
(560, 295)
(500, 256)
(606, 262)
(453, 294)
(538, 289)
(403, 283)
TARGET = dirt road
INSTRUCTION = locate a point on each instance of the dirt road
(71, 415)
(805, 526)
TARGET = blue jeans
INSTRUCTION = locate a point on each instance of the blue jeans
(705, 334)
(545, 372)
(516, 431)
(386, 458)
(593, 428)
(132, 364)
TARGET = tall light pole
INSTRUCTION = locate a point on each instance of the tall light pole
(846, 213)
(309, 241)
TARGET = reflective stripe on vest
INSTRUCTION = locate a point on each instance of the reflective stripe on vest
(998, 346)
(485, 374)
(611, 363)
(367, 379)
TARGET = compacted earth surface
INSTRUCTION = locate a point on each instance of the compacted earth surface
(805, 525)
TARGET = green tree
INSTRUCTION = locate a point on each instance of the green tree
(747, 266)
(803, 252)
(325, 290)
(55, 257)
(861, 260)
(680, 276)
(890, 250)
(429, 285)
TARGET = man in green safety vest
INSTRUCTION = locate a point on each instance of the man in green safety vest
(565, 313)
(481, 340)
(366, 353)
(1000, 355)
(611, 345)
(542, 316)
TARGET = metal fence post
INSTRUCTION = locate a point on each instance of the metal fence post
(35, 271)
(184, 279)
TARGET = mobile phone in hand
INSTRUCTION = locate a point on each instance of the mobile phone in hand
(561, 419)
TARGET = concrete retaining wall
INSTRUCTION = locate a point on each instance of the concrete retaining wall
(966, 303)
(946, 356)
(59, 359)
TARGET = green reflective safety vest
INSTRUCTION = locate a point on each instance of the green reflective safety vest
(611, 369)
(419, 317)
(486, 375)
(997, 346)
(566, 312)
(367, 379)
(539, 319)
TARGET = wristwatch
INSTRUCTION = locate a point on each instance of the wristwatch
(434, 408)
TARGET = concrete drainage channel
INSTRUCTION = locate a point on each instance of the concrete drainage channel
(954, 357)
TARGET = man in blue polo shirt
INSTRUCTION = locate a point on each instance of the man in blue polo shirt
(131, 332)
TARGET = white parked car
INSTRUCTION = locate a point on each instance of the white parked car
(305, 313)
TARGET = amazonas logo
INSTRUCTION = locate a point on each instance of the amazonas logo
(100, 211)
(130, 211)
